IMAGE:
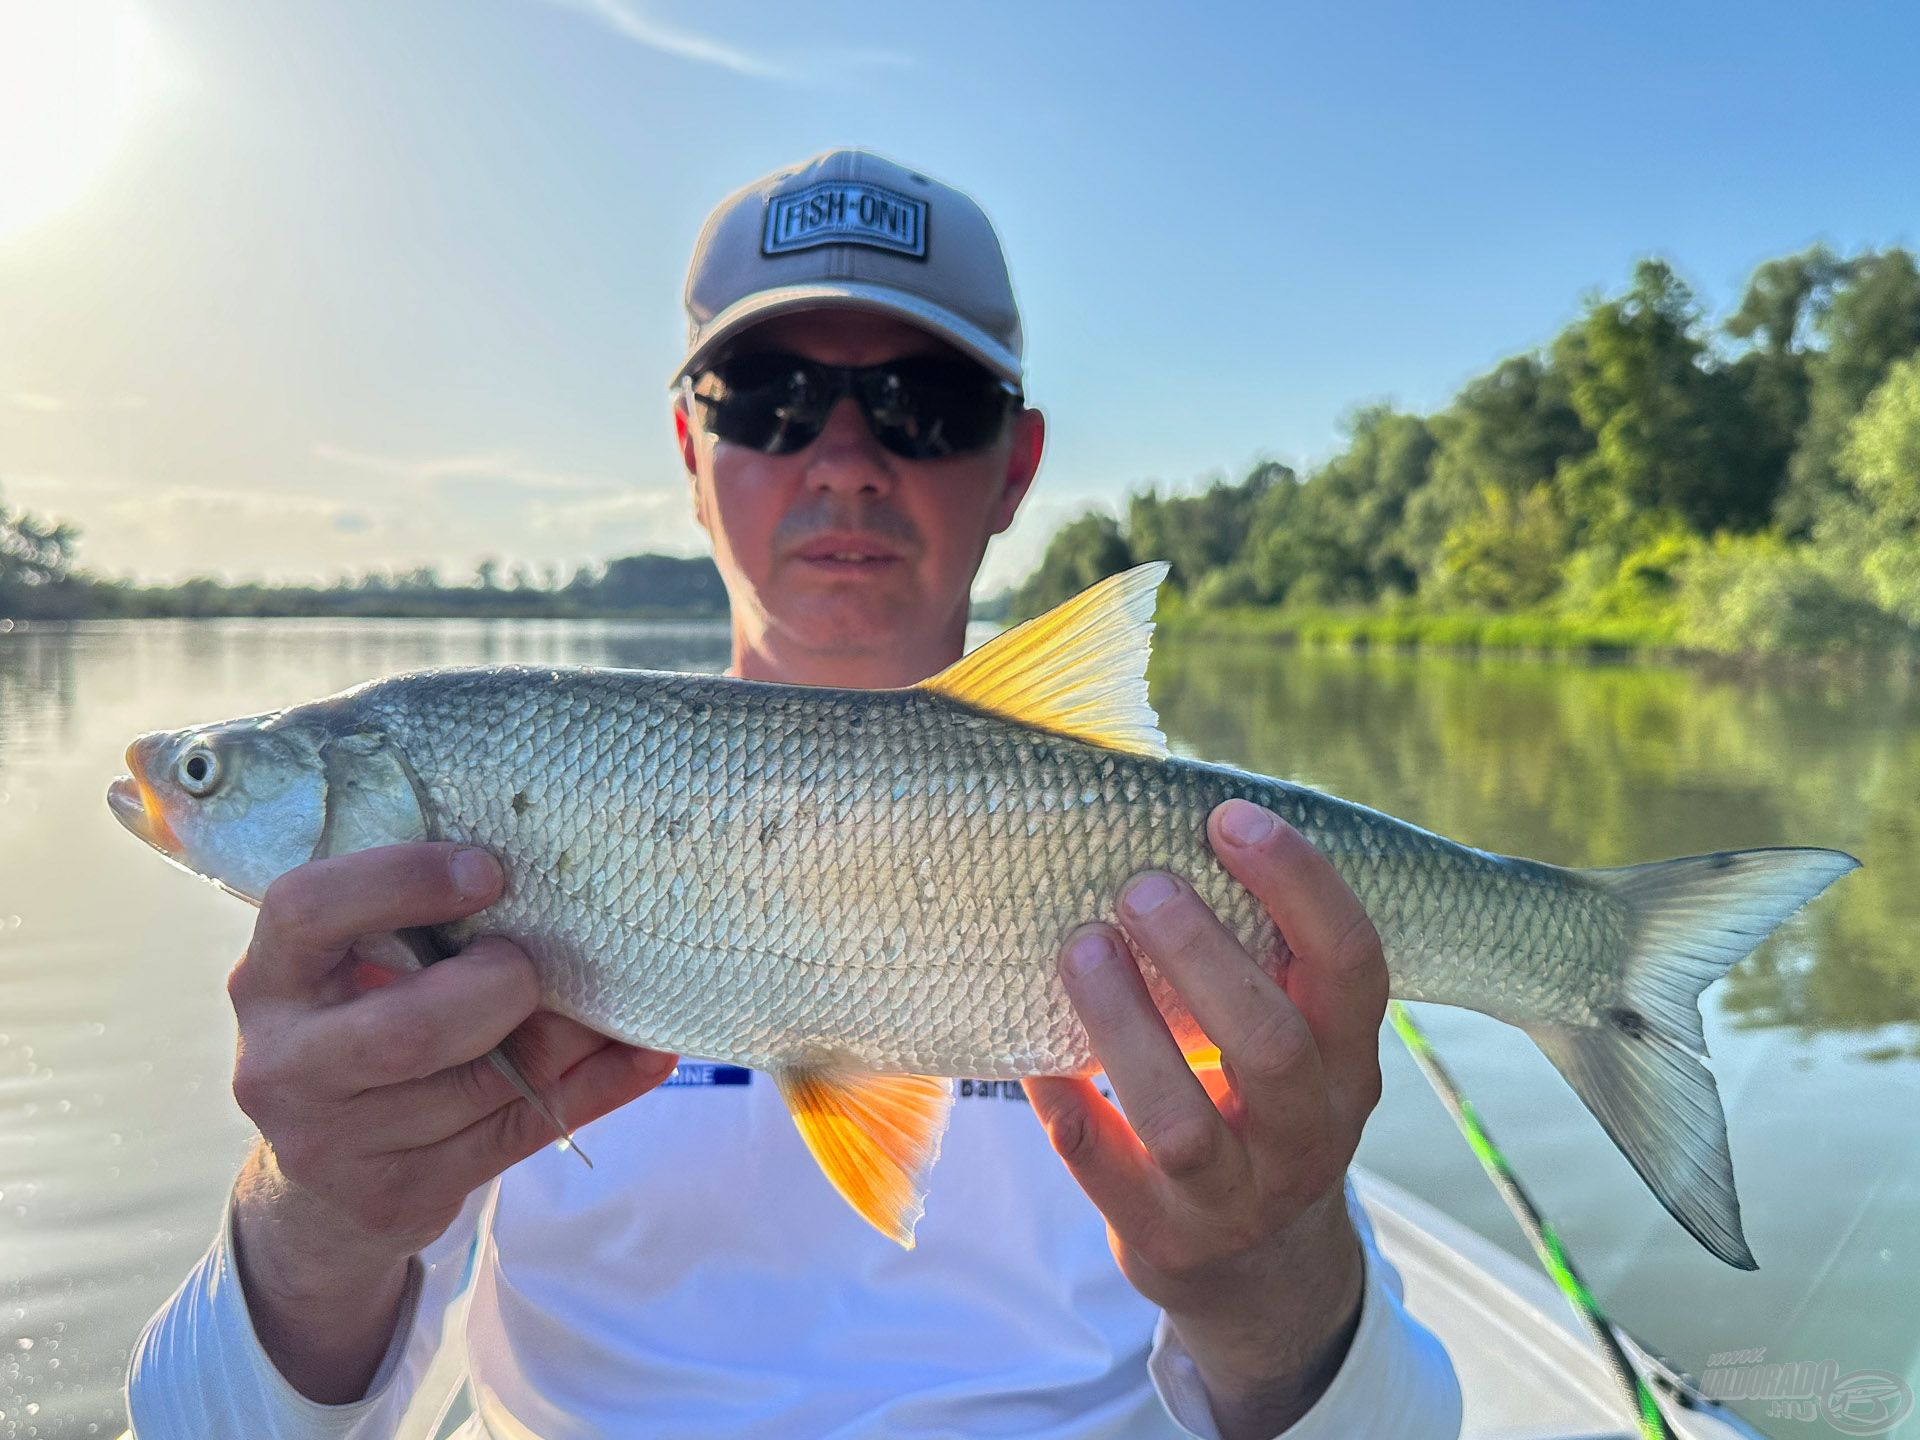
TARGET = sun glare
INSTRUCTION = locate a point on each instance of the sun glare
(71, 73)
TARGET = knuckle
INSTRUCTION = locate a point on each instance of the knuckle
(292, 904)
(520, 1131)
(517, 981)
(1183, 1146)
(252, 1090)
(478, 1086)
(1356, 946)
(1274, 1043)
(384, 1043)
(240, 979)
(1073, 1138)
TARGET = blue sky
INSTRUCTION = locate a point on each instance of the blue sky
(388, 282)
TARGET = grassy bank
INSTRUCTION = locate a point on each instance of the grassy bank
(1526, 632)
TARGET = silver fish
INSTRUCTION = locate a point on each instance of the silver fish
(863, 892)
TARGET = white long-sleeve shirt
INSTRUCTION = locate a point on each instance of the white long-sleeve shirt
(705, 1279)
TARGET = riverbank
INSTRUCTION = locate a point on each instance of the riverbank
(1535, 634)
(1521, 632)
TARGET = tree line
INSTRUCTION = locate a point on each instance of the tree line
(40, 579)
(1751, 485)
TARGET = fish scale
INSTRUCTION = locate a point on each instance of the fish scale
(772, 851)
(863, 892)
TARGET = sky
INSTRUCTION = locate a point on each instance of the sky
(297, 289)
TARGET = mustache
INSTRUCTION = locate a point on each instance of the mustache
(799, 526)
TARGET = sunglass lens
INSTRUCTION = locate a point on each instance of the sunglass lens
(929, 407)
(767, 402)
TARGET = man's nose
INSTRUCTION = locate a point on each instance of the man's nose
(846, 458)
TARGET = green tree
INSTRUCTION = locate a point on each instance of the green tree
(1788, 298)
(1509, 431)
(1362, 495)
(35, 553)
(1340, 536)
(1872, 321)
(1081, 552)
(1882, 461)
(1785, 306)
(1673, 434)
(1198, 534)
(1507, 553)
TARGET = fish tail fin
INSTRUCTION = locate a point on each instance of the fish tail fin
(1641, 1070)
(504, 1062)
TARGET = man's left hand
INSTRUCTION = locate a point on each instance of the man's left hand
(1225, 1201)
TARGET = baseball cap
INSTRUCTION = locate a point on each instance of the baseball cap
(850, 228)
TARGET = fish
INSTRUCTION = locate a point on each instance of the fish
(862, 892)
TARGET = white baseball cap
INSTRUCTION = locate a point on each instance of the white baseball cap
(853, 229)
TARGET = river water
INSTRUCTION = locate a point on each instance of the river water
(118, 1134)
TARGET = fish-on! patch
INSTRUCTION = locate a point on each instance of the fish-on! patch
(846, 212)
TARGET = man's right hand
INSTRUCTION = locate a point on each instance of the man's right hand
(378, 1109)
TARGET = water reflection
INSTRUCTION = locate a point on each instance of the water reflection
(1610, 765)
(36, 682)
(118, 1136)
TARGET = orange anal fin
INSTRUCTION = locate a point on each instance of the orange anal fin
(875, 1136)
(1205, 1057)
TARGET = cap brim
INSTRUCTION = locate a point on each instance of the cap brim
(850, 295)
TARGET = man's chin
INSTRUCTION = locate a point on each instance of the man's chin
(853, 619)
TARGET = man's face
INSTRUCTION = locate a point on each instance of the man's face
(844, 559)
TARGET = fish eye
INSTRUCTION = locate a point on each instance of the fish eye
(198, 770)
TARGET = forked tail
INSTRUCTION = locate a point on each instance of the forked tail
(1641, 1070)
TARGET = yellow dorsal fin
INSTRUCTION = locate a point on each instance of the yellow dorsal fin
(875, 1136)
(1079, 670)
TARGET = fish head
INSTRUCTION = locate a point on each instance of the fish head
(244, 801)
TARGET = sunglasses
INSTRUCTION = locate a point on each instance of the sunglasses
(919, 407)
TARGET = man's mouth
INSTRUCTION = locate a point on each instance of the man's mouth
(847, 555)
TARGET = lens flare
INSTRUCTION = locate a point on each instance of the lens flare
(72, 73)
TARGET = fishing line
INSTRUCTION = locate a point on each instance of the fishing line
(1546, 1241)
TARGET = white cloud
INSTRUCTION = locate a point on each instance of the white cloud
(486, 466)
(46, 404)
(633, 23)
(641, 520)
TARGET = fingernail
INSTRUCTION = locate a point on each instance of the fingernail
(1245, 823)
(1148, 894)
(474, 872)
(1087, 952)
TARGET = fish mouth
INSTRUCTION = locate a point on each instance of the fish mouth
(135, 806)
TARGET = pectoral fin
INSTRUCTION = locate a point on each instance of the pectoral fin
(504, 1061)
(875, 1136)
(423, 948)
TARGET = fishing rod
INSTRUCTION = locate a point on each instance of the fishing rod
(1546, 1241)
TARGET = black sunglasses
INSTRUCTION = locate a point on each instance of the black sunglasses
(919, 407)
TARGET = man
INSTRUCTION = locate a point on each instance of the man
(850, 419)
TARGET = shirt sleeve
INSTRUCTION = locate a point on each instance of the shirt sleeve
(199, 1371)
(1396, 1382)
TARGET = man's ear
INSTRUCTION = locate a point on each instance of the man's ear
(1023, 462)
(690, 457)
